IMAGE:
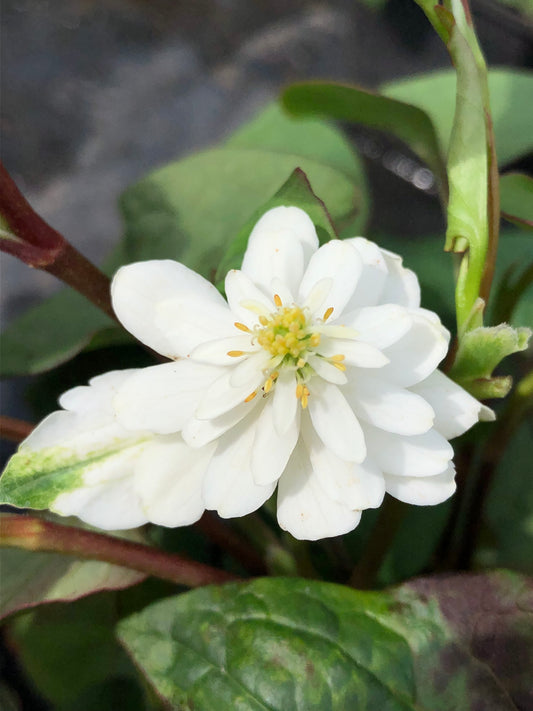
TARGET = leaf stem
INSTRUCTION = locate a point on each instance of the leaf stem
(29, 238)
(34, 534)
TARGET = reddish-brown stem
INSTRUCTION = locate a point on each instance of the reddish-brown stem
(39, 245)
(14, 429)
(220, 533)
(34, 534)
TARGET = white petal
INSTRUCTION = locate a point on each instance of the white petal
(422, 491)
(168, 480)
(241, 290)
(416, 456)
(229, 486)
(304, 508)
(188, 322)
(339, 261)
(271, 450)
(163, 397)
(139, 290)
(222, 396)
(355, 353)
(197, 432)
(401, 286)
(418, 353)
(374, 274)
(358, 486)
(389, 407)
(285, 405)
(455, 409)
(216, 352)
(379, 326)
(247, 370)
(335, 421)
(98, 395)
(111, 505)
(327, 370)
(279, 247)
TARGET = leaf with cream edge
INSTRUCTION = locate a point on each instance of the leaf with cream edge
(320, 361)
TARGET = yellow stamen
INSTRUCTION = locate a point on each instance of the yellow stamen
(250, 396)
(314, 340)
(327, 313)
(267, 387)
(242, 327)
(300, 363)
(305, 395)
(235, 354)
(337, 358)
(263, 320)
(299, 390)
(339, 366)
(277, 300)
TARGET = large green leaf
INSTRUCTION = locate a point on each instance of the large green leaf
(350, 103)
(191, 210)
(278, 644)
(511, 100)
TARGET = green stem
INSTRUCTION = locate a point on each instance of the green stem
(34, 534)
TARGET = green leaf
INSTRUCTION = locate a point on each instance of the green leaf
(297, 644)
(511, 100)
(350, 103)
(50, 334)
(296, 192)
(516, 199)
(480, 351)
(31, 578)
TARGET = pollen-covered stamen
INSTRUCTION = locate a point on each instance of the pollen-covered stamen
(327, 313)
(242, 327)
(277, 300)
(269, 382)
(250, 396)
(235, 354)
(336, 360)
(302, 394)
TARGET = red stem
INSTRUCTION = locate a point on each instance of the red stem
(39, 245)
(35, 534)
(13, 429)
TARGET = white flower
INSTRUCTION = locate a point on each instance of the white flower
(318, 376)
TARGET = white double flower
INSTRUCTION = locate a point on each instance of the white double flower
(318, 375)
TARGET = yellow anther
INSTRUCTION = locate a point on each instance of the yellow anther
(305, 396)
(339, 366)
(267, 387)
(277, 300)
(300, 363)
(327, 313)
(263, 320)
(299, 390)
(274, 375)
(235, 354)
(314, 340)
(242, 327)
(250, 396)
(337, 358)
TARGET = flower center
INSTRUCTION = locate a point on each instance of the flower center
(285, 333)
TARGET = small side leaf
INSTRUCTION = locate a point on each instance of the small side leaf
(480, 351)
(296, 192)
(32, 578)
